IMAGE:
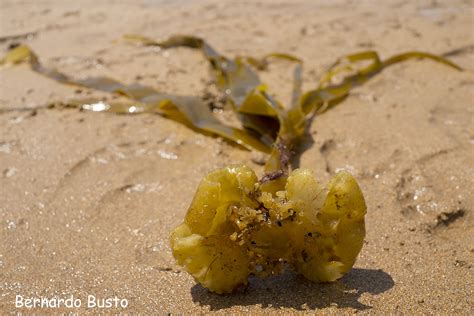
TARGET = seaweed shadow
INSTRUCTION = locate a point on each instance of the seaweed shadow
(293, 291)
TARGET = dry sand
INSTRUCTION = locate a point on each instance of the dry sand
(87, 200)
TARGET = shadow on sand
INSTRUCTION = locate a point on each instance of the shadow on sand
(293, 291)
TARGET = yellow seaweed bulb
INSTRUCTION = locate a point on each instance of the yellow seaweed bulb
(233, 228)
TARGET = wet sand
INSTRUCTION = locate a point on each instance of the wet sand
(87, 200)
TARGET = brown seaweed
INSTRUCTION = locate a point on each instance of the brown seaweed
(268, 125)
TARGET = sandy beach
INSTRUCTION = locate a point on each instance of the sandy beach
(88, 200)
